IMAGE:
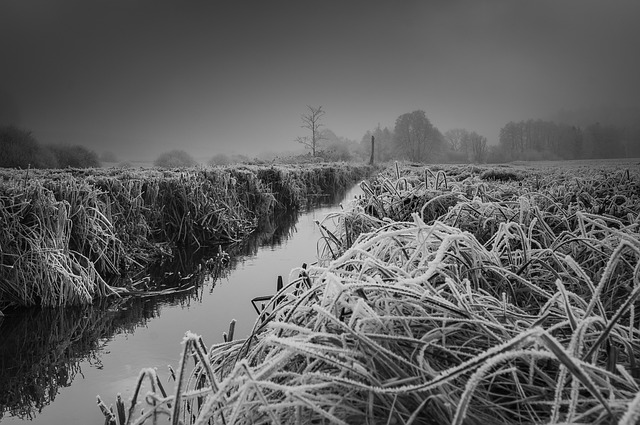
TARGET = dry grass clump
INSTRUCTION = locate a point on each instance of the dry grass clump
(396, 197)
(499, 311)
(407, 327)
(65, 232)
(38, 265)
(501, 174)
(293, 184)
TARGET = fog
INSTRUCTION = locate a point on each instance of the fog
(140, 78)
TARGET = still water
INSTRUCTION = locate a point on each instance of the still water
(53, 363)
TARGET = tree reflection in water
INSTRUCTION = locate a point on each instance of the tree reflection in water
(42, 348)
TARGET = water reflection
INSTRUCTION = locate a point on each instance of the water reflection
(41, 350)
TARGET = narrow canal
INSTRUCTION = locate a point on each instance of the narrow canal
(53, 363)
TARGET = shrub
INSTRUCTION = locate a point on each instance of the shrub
(336, 151)
(220, 159)
(75, 156)
(175, 159)
(19, 149)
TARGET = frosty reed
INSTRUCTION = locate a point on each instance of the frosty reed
(64, 233)
(508, 298)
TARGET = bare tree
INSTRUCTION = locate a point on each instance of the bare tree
(311, 121)
(477, 147)
(456, 138)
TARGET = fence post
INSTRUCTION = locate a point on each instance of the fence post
(372, 145)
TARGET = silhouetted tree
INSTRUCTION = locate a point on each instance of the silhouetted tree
(538, 139)
(75, 156)
(459, 145)
(311, 121)
(510, 139)
(384, 144)
(457, 138)
(19, 149)
(477, 147)
(416, 139)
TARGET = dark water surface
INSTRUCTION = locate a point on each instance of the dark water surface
(53, 362)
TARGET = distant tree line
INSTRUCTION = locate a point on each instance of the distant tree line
(534, 140)
(19, 149)
(415, 138)
(466, 146)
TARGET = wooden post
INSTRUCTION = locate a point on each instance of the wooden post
(279, 284)
(372, 146)
(232, 328)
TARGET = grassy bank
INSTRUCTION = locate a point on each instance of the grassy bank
(453, 295)
(64, 233)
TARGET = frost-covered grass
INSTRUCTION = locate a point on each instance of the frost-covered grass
(63, 233)
(443, 298)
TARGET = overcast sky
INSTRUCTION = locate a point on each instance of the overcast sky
(141, 77)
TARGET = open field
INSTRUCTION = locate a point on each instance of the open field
(454, 294)
(66, 234)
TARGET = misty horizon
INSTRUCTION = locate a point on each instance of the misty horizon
(138, 79)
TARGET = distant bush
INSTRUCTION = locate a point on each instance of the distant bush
(223, 159)
(75, 156)
(219, 159)
(19, 149)
(175, 159)
(336, 151)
